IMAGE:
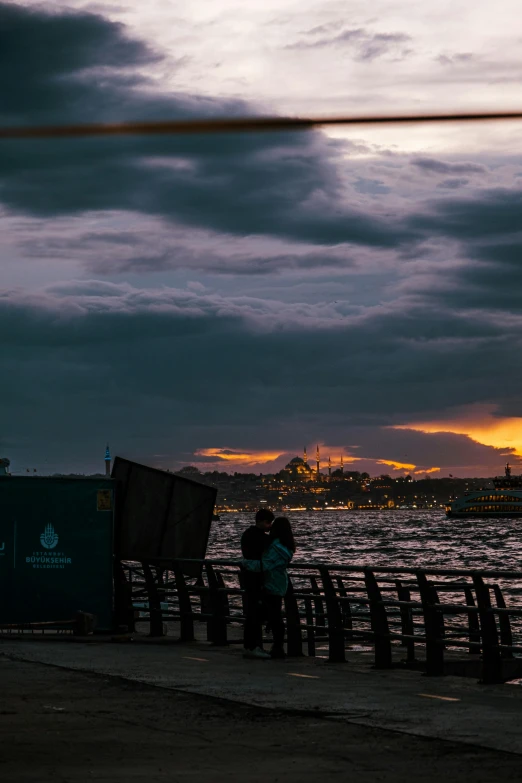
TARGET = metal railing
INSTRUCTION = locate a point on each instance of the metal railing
(437, 613)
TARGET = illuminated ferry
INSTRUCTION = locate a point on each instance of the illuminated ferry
(505, 500)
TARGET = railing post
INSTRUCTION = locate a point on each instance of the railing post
(336, 652)
(504, 624)
(473, 621)
(345, 609)
(310, 627)
(160, 581)
(186, 621)
(294, 637)
(434, 627)
(217, 625)
(243, 593)
(491, 659)
(123, 608)
(156, 620)
(379, 622)
(403, 594)
(224, 595)
(320, 619)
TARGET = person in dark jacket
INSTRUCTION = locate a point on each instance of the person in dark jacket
(254, 541)
(272, 566)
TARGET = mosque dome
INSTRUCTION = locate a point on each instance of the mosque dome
(298, 468)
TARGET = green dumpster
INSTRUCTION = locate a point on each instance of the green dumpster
(56, 549)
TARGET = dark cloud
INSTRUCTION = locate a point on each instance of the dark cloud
(321, 29)
(373, 187)
(453, 183)
(107, 251)
(366, 45)
(491, 212)
(490, 282)
(333, 38)
(483, 233)
(244, 264)
(239, 360)
(384, 43)
(506, 255)
(487, 274)
(432, 165)
(457, 58)
(285, 185)
(61, 44)
(162, 363)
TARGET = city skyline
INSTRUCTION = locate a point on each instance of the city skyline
(217, 301)
(265, 464)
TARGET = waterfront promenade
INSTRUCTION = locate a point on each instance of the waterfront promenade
(312, 715)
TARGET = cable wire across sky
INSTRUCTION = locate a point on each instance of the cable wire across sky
(240, 124)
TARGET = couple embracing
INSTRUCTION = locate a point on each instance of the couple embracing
(267, 548)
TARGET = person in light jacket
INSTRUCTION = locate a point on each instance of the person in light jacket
(273, 565)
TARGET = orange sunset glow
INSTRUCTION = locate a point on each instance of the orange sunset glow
(242, 458)
(481, 425)
(406, 466)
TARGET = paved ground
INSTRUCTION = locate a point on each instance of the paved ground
(72, 727)
(448, 708)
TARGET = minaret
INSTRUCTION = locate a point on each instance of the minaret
(342, 465)
(329, 467)
(317, 460)
(107, 461)
(305, 458)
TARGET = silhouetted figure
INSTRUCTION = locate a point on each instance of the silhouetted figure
(272, 566)
(254, 541)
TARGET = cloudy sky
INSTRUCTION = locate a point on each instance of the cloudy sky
(224, 301)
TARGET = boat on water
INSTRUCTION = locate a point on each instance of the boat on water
(505, 500)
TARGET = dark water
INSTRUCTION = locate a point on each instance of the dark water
(389, 538)
(394, 539)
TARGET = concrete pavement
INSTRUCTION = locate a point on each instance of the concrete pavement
(449, 708)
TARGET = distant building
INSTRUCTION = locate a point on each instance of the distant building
(298, 470)
(107, 461)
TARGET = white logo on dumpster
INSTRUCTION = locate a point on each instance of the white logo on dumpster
(49, 537)
(46, 559)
